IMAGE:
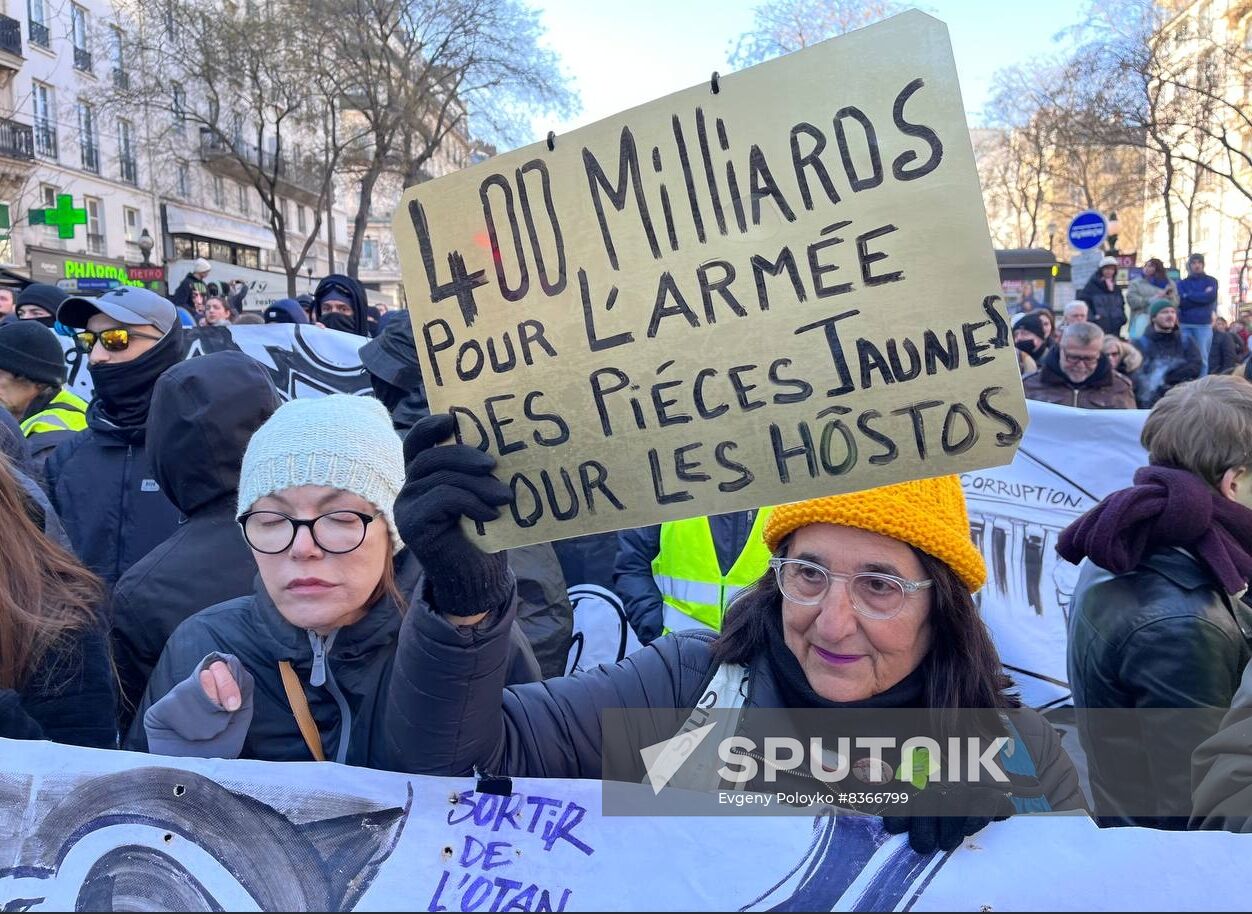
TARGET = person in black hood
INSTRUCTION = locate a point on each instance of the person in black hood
(203, 413)
(339, 303)
(101, 480)
(391, 360)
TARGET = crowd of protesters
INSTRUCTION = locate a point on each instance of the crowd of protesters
(1151, 336)
(196, 568)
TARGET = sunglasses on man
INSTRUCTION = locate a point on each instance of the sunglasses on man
(115, 339)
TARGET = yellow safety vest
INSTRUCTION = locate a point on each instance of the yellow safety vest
(686, 571)
(66, 412)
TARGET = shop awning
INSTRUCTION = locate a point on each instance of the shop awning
(182, 221)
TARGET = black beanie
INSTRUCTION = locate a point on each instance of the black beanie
(43, 294)
(30, 350)
(1032, 323)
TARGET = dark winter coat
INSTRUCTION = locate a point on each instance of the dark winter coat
(1162, 636)
(632, 572)
(182, 295)
(1221, 769)
(15, 447)
(69, 698)
(204, 411)
(1169, 359)
(1107, 310)
(544, 613)
(354, 675)
(1104, 389)
(102, 485)
(1223, 353)
(450, 711)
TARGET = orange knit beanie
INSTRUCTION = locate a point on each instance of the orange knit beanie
(926, 513)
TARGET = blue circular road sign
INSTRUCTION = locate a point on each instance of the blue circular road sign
(1087, 230)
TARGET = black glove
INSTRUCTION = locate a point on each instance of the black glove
(940, 817)
(442, 485)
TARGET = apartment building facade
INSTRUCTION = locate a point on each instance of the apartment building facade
(1211, 42)
(60, 136)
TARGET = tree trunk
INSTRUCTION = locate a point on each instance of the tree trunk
(1169, 209)
(360, 220)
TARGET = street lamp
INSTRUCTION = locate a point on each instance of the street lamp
(145, 247)
(1113, 231)
(1051, 235)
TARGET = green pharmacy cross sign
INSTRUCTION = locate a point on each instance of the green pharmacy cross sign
(65, 216)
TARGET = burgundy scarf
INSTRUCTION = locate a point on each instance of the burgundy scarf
(1165, 507)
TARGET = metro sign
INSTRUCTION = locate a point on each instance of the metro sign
(145, 274)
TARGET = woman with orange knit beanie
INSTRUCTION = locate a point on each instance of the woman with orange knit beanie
(867, 604)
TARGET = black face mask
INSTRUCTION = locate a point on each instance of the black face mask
(337, 321)
(1029, 347)
(125, 391)
(49, 322)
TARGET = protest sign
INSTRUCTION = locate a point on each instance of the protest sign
(776, 286)
(91, 830)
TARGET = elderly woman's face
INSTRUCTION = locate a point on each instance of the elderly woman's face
(845, 656)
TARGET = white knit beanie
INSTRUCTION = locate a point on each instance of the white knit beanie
(340, 441)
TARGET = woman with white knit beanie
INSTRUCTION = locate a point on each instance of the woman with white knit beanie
(299, 669)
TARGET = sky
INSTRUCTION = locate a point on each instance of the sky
(619, 55)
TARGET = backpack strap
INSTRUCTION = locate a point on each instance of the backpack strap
(300, 708)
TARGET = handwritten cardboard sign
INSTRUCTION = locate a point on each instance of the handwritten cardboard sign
(771, 289)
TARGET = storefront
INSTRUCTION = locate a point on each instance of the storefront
(264, 287)
(65, 269)
(233, 249)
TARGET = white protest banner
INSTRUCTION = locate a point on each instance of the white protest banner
(303, 361)
(92, 830)
(1069, 460)
(772, 288)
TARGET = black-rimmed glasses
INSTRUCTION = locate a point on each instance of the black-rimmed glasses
(336, 532)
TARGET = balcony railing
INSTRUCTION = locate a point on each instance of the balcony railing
(17, 141)
(217, 149)
(91, 159)
(82, 59)
(130, 171)
(39, 34)
(121, 79)
(10, 35)
(95, 243)
(45, 140)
